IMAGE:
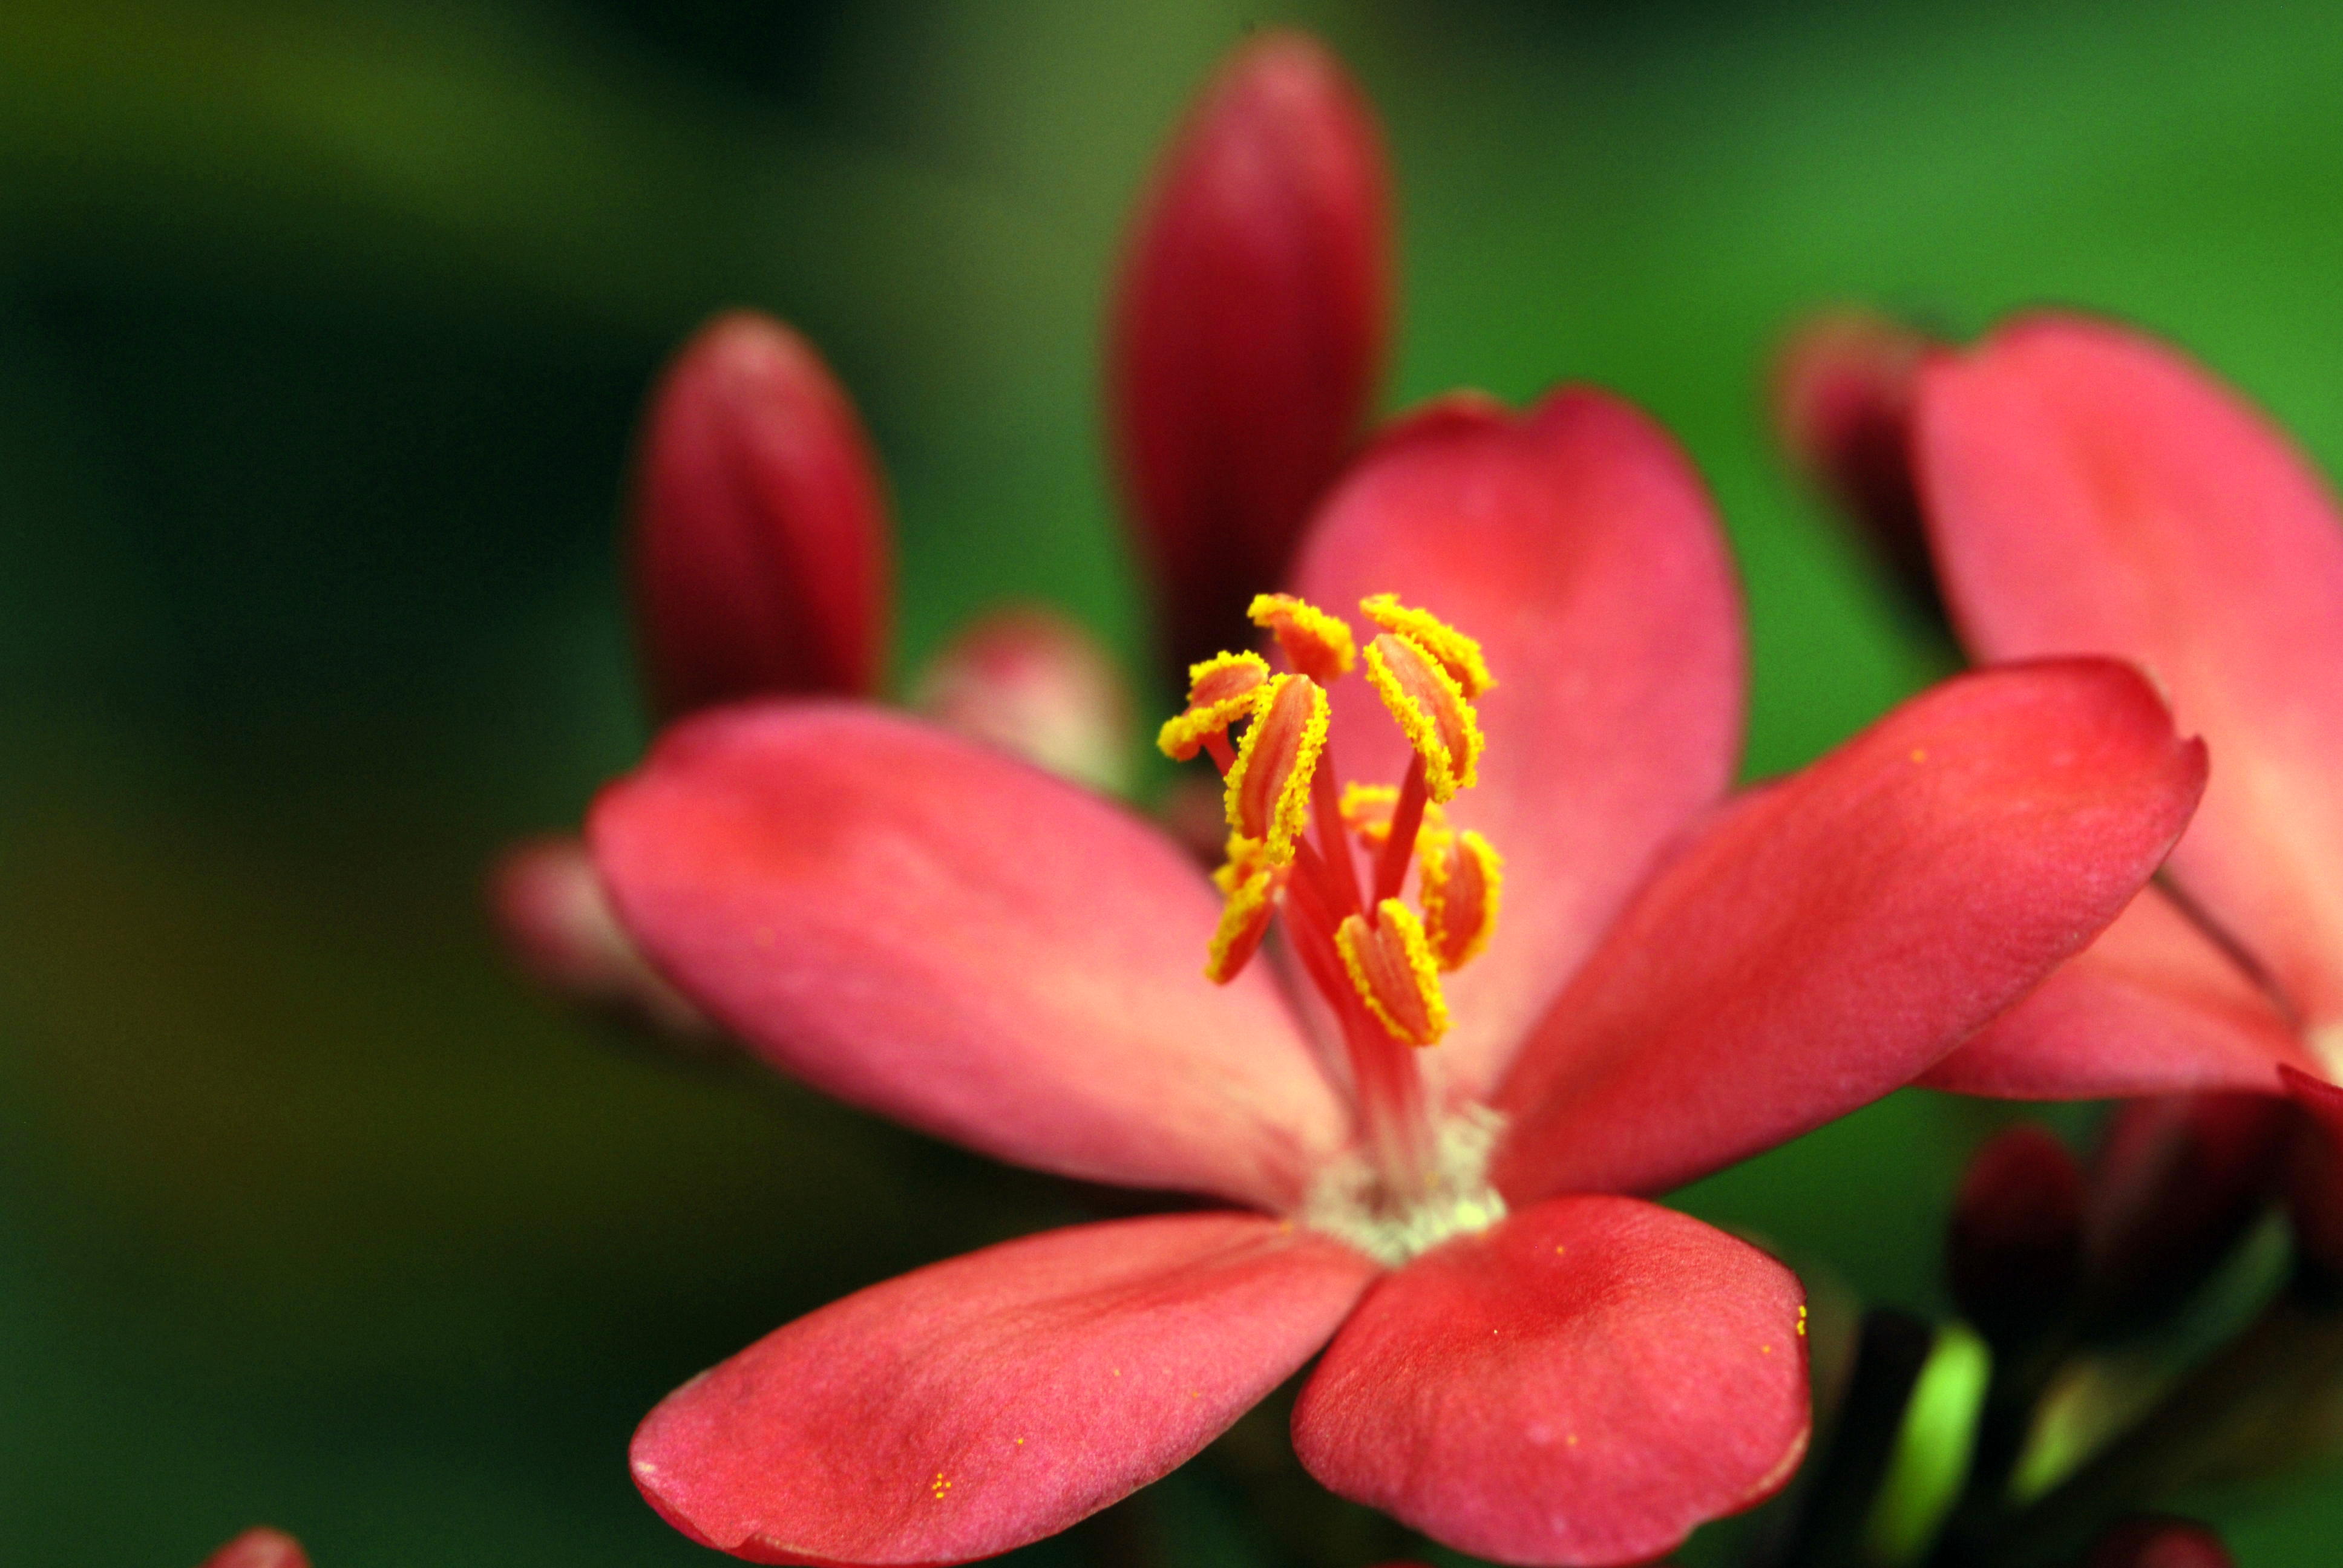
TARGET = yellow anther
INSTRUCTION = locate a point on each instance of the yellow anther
(1367, 810)
(1391, 968)
(1245, 920)
(1459, 655)
(1268, 795)
(1431, 710)
(1245, 855)
(1319, 645)
(1462, 879)
(1221, 690)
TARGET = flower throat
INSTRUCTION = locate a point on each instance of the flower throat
(1418, 1176)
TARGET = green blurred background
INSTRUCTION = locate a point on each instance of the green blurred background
(321, 328)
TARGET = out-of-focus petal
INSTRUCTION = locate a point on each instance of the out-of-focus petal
(1842, 395)
(983, 1403)
(2013, 1250)
(555, 923)
(926, 927)
(1249, 329)
(1836, 934)
(2152, 1006)
(1576, 544)
(1582, 1384)
(259, 1548)
(1034, 683)
(2159, 1543)
(762, 551)
(2090, 491)
(2175, 1185)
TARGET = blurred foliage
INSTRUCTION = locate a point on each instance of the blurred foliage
(322, 327)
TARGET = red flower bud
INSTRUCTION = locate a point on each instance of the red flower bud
(2157, 1542)
(1249, 331)
(2178, 1181)
(2015, 1247)
(762, 544)
(2314, 1176)
(262, 1548)
(1843, 399)
(1032, 682)
(559, 928)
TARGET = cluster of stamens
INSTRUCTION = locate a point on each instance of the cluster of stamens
(1375, 959)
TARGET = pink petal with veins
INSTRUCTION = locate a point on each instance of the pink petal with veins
(926, 927)
(2152, 1006)
(1582, 1384)
(977, 1405)
(2091, 491)
(1843, 929)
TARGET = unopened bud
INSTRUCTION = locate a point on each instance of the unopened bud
(2016, 1247)
(2178, 1181)
(761, 548)
(1249, 331)
(558, 927)
(1843, 397)
(1032, 682)
(261, 1548)
(2159, 1543)
(2315, 1174)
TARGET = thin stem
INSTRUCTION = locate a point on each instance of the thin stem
(1224, 755)
(1399, 848)
(1334, 841)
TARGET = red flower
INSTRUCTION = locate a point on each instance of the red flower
(1523, 1356)
(2088, 490)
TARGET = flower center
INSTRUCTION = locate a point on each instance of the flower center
(1332, 868)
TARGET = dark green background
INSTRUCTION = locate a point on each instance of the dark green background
(321, 328)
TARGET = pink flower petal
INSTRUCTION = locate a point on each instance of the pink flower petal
(926, 927)
(1836, 934)
(1582, 1384)
(1577, 545)
(2091, 491)
(983, 1403)
(2152, 1006)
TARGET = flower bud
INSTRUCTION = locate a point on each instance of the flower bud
(2151, 1541)
(1248, 331)
(559, 928)
(1031, 681)
(1844, 387)
(2178, 1181)
(261, 1548)
(2015, 1247)
(760, 540)
(2315, 1174)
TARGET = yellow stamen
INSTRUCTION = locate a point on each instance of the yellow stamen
(1268, 795)
(1245, 857)
(1367, 810)
(1319, 645)
(1431, 710)
(1391, 968)
(1245, 920)
(1459, 655)
(1221, 690)
(1463, 880)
